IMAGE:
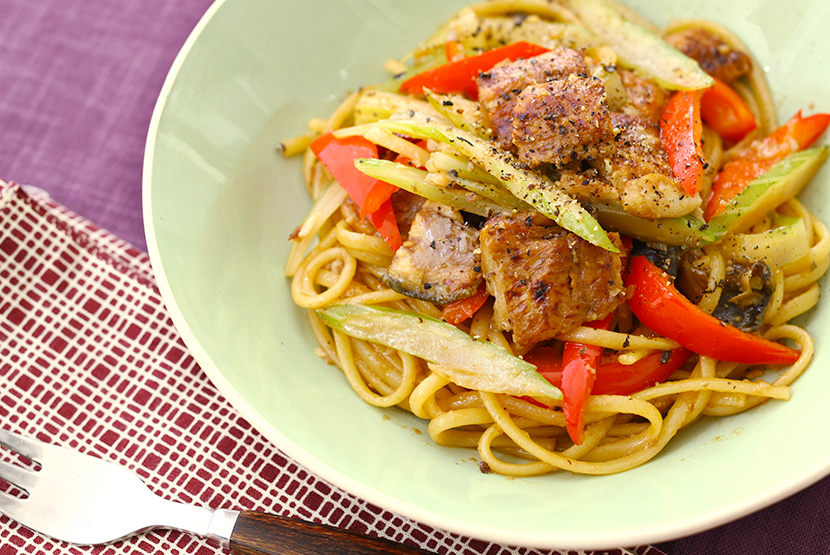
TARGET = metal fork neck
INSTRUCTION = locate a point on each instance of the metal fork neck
(216, 525)
(221, 525)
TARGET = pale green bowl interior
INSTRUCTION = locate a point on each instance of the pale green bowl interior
(220, 204)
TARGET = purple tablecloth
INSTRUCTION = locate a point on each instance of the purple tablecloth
(78, 82)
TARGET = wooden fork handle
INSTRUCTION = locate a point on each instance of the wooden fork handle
(259, 533)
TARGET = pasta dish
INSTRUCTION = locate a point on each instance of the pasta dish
(561, 235)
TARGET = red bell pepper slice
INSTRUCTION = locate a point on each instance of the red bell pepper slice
(454, 50)
(663, 309)
(370, 194)
(338, 156)
(387, 225)
(681, 131)
(579, 372)
(459, 76)
(797, 134)
(462, 309)
(613, 377)
(726, 113)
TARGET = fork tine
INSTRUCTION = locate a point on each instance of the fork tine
(11, 506)
(17, 476)
(30, 448)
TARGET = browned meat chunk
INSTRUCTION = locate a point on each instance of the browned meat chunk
(715, 57)
(645, 95)
(499, 87)
(562, 121)
(639, 150)
(546, 280)
(440, 261)
(640, 171)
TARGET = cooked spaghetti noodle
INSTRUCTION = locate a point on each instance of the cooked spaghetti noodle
(338, 258)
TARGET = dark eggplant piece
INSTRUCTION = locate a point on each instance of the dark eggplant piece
(747, 291)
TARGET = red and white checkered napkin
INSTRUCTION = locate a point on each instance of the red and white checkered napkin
(89, 359)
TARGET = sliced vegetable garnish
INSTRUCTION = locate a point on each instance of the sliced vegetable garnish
(459, 76)
(371, 195)
(579, 372)
(462, 113)
(463, 309)
(454, 50)
(613, 377)
(681, 132)
(641, 49)
(795, 135)
(726, 112)
(685, 231)
(454, 354)
(663, 309)
(338, 156)
(387, 225)
(529, 186)
(415, 181)
(781, 182)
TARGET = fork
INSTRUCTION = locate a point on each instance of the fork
(85, 500)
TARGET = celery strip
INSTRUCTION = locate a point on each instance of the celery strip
(472, 364)
(461, 166)
(781, 182)
(684, 231)
(640, 48)
(463, 113)
(415, 181)
(529, 186)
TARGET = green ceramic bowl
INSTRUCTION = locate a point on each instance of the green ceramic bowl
(220, 203)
